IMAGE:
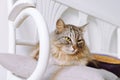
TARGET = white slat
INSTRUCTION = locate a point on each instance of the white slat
(51, 7)
(58, 14)
(26, 43)
(118, 40)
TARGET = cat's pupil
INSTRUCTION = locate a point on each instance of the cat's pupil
(67, 39)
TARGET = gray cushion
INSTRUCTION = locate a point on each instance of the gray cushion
(21, 66)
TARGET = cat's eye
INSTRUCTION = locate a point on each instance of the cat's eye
(67, 39)
(80, 41)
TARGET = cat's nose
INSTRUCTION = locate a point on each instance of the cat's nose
(74, 47)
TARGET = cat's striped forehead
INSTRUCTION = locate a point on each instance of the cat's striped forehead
(72, 31)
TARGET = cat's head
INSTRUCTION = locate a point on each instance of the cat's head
(69, 38)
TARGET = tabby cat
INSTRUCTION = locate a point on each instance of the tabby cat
(68, 46)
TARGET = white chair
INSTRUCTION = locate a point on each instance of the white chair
(102, 35)
(24, 10)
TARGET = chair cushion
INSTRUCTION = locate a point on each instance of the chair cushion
(21, 66)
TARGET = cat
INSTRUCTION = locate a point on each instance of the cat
(70, 54)
(68, 46)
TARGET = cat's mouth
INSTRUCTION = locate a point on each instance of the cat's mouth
(70, 52)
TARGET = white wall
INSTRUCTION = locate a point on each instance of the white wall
(3, 34)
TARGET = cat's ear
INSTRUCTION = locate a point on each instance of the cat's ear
(83, 27)
(60, 25)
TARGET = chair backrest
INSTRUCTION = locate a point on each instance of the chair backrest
(101, 35)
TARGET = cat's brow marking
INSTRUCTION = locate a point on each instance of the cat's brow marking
(73, 31)
(70, 31)
(76, 33)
